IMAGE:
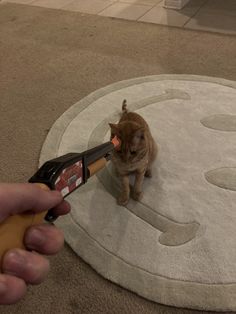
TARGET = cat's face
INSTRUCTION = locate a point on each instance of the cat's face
(133, 141)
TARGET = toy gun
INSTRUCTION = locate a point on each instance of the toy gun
(65, 174)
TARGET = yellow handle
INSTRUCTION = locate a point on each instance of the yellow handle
(12, 230)
(96, 166)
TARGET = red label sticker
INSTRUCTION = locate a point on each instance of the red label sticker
(70, 178)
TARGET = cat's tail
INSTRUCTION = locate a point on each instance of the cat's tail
(124, 106)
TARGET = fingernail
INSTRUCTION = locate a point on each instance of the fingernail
(57, 193)
(35, 238)
(13, 262)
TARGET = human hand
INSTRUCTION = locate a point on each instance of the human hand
(20, 267)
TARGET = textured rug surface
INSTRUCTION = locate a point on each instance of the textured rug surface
(176, 246)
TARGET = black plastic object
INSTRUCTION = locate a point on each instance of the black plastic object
(50, 172)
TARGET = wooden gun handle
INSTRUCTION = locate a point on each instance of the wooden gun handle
(12, 230)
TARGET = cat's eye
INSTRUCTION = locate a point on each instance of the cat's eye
(140, 137)
(132, 152)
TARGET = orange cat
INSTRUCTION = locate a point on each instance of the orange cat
(137, 152)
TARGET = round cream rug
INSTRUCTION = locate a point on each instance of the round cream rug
(178, 245)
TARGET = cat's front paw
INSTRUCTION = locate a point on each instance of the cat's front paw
(137, 195)
(123, 200)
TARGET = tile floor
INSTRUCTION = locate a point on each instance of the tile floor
(208, 15)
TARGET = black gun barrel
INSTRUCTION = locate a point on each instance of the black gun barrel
(98, 152)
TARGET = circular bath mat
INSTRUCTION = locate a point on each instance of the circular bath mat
(178, 245)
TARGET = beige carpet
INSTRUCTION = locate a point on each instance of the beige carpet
(50, 60)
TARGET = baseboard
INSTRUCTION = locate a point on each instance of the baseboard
(175, 4)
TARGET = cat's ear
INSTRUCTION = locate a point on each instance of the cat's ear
(114, 129)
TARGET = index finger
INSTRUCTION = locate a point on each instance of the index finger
(17, 198)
